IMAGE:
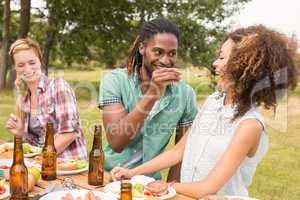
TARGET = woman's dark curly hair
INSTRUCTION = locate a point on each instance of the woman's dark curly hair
(260, 65)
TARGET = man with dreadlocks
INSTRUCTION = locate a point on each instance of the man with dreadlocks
(146, 101)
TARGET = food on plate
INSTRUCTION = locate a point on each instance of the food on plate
(72, 164)
(2, 148)
(89, 196)
(2, 188)
(156, 188)
(138, 190)
(6, 146)
(66, 166)
(32, 168)
(34, 176)
(31, 182)
(35, 172)
(27, 148)
(4, 171)
(4, 167)
(143, 187)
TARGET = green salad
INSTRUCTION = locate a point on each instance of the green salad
(138, 190)
(80, 163)
(27, 148)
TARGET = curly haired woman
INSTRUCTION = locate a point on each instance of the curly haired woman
(228, 137)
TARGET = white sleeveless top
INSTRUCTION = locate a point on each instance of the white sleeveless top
(209, 137)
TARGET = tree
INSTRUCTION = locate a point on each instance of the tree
(4, 45)
(103, 30)
(201, 25)
(52, 28)
(24, 18)
(82, 31)
(298, 62)
(23, 32)
(94, 31)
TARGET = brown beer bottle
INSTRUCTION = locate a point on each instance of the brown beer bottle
(96, 160)
(126, 191)
(49, 155)
(18, 174)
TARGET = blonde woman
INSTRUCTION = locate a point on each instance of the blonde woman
(44, 99)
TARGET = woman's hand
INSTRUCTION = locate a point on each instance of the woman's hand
(89, 196)
(15, 126)
(119, 172)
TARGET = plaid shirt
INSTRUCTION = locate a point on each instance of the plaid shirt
(56, 103)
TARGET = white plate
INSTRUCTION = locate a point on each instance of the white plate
(6, 193)
(9, 162)
(37, 150)
(30, 163)
(5, 172)
(76, 193)
(30, 155)
(240, 197)
(114, 187)
(69, 172)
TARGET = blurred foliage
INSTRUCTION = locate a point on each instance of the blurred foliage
(14, 25)
(298, 61)
(103, 30)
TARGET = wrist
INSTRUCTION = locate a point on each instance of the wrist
(172, 183)
(20, 133)
(132, 172)
(152, 95)
(156, 90)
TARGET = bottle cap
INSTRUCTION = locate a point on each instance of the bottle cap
(126, 186)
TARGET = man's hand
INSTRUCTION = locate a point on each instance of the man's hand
(15, 126)
(161, 78)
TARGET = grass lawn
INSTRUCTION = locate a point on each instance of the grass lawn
(277, 177)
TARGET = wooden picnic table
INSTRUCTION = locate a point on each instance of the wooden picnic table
(80, 180)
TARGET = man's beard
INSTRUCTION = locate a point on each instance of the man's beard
(148, 66)
(149, 70)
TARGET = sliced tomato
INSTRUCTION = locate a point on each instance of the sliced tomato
(147, 193)
(4, 167)
(2, 190)
(153, 194)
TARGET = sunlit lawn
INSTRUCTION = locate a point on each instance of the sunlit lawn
(277, 177)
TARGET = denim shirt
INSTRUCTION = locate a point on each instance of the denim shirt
(175, 109)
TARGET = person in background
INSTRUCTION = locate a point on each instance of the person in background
(228, 138)
(146, 101)
(44, 99)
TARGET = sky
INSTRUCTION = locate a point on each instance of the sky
(281, 15)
